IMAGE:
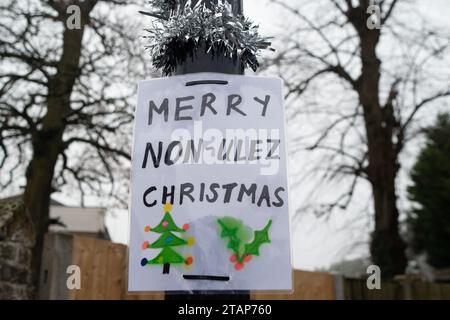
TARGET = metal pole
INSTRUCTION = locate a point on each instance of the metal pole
(203, 62)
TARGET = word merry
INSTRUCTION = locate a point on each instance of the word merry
(184, 107)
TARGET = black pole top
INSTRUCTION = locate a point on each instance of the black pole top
(207, 62)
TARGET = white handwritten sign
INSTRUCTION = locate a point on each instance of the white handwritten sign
(209, 192)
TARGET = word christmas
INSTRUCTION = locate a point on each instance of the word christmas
(213, 192)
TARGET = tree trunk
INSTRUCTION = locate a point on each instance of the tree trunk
(387, 248)
(166, 268)
(48, 143)
(37, 195)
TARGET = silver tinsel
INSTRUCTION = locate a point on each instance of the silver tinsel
(163, 8)
(180, 31)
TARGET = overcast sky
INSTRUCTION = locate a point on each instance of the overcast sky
(316, 242)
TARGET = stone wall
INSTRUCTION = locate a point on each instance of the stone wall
(16, 241)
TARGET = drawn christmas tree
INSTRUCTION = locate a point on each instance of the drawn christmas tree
(239, 236)
(166, 241)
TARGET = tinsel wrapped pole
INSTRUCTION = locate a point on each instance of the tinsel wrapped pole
(204, 62)
(207, 62)
(202, 35)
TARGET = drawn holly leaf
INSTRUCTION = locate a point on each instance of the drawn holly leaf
(234, 245)
(237, 233)
(228, 229)
(261, 237)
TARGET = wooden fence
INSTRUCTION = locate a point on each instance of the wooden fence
(307, 286)
(103, 267)
(406, 289)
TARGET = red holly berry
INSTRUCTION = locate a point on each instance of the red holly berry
(238, 266)
(233, 258)
(189, 261)
(247, 258)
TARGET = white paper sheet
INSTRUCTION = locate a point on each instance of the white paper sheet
(218, 206)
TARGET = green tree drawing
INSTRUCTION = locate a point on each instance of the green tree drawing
(166, 241)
